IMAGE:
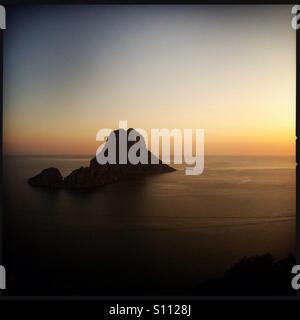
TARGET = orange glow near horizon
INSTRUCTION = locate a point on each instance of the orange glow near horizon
(203, 68)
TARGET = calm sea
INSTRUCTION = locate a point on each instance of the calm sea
(160, 234)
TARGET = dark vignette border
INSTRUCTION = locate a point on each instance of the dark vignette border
(178, 298)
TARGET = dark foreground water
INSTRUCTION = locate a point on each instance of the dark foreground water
(161, 234)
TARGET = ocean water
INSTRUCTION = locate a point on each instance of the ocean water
(159, 234)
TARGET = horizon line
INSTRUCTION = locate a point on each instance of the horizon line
(93, 155)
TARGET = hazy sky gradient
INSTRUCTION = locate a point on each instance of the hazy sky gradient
(72, 70)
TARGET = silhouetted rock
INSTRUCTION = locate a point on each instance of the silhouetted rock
(97, 175)
(50, 178)
(253, 276)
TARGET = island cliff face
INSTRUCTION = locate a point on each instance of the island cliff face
(96, 175)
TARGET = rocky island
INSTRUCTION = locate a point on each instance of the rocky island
(97, 175)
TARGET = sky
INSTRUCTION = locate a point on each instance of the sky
(72, 70)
